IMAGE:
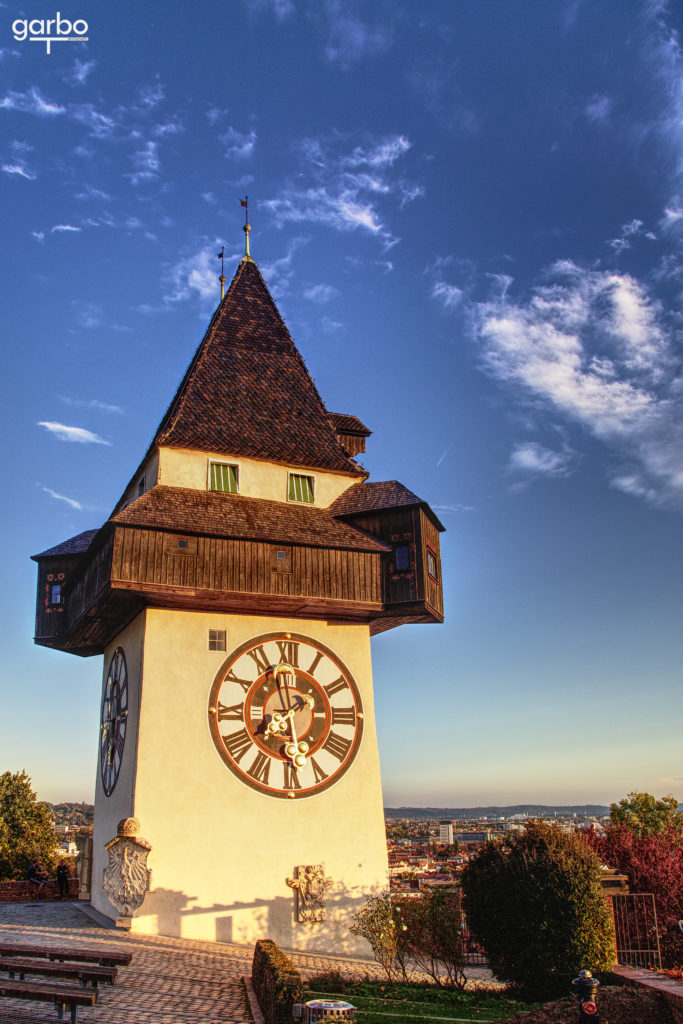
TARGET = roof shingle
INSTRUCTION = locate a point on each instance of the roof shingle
(373, 497)
(73, 546)
(185, 510)
(247, 390)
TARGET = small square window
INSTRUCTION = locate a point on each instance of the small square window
(431, 564)
(217, 640)
(281, 555)
(402, 557)
(223, 477)
(182, 543)
(56, 593)
(301, 488)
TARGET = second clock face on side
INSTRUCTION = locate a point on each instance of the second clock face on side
(114, 720)
(285, 715)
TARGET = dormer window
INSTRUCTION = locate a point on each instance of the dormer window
(141, 486)
(301, 488)
(224, 476)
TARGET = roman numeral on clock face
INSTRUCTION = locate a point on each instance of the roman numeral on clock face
(229, 714)
(260, 769)
(314, 664)
(336, 686)
(344, 716)
(291, 777)
(258, 655)
(232, 678)
(337, 745)
(289, 652)
(319, 774)
(237, 744)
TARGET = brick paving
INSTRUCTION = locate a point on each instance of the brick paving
(168, 981)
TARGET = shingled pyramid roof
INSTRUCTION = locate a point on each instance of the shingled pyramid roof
(247, 390)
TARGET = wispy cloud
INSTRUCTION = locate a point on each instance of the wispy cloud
(344, 190)
(320, 293)
(448, 295)
(282, 9)
(196, 275)
(31, 102)
(451, 509)
(593, 345)
(598, 109)
(71, 502)
(351, 35)
(81, 70)
(64, 227)
(239, 145)
(38, 235)
(91, 403)
(79, 435)
(19, 170)
(146, 163)
(530, 459)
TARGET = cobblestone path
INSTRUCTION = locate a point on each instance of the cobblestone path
(168, 981)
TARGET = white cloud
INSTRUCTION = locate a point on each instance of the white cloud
(93, 193)
(62, 497)
(146, 162)
(196, 275)
(31, 102)
(598, 109)
(280, 8)
(448, 295)
(76, 434)
(150, 96)
(19, 170)
(351, 38)
(533, 459)
(453, 509)
(320, 293)
(64, 227)
(171, 127)
(593, 346)
(92, 403)
(38, 235)
(238, 144)
(343, 190)
(81, 70)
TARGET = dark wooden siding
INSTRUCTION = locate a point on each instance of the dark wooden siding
(244, 567)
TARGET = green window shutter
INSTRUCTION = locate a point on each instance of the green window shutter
(301, 488)
(223, 478)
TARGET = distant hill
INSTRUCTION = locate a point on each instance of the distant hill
(75, 815)
(533, 810)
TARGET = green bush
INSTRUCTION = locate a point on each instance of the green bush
(277, 983)
(25, 828)
(534, 902)
(431, 937)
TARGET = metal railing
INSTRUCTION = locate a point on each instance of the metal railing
(635, 928)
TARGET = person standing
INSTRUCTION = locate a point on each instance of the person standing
(63, 879)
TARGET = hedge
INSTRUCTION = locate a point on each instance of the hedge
(277, 983)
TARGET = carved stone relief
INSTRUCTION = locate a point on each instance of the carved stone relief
(84, 865)
(127, 878)
(311, 887)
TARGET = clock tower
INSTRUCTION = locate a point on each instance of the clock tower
(233, 592)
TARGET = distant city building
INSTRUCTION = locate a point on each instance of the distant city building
(446, 832)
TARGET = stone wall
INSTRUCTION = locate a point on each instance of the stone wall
(21, 891)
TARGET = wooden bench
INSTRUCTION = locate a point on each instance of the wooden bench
(62, 996)
(86, 974)
(106, 958)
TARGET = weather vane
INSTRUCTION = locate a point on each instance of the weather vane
(247, 227)
(221, 255)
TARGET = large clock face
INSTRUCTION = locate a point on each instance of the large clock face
(114, 720)
(285, 715)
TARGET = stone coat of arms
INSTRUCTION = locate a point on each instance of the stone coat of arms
(311, 887)
(127, 879)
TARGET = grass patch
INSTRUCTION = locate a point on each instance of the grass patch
(381, 1003)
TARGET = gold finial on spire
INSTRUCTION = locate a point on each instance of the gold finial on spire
(221, 256)
(247, 227)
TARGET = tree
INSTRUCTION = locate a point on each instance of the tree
(646, 815)
(25, 828)
(379, 921)
(534, 902)
(432, 935)
(653, 863)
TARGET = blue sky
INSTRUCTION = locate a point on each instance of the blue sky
(471, 217)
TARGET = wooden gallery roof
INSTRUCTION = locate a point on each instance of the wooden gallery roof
(215, 514)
